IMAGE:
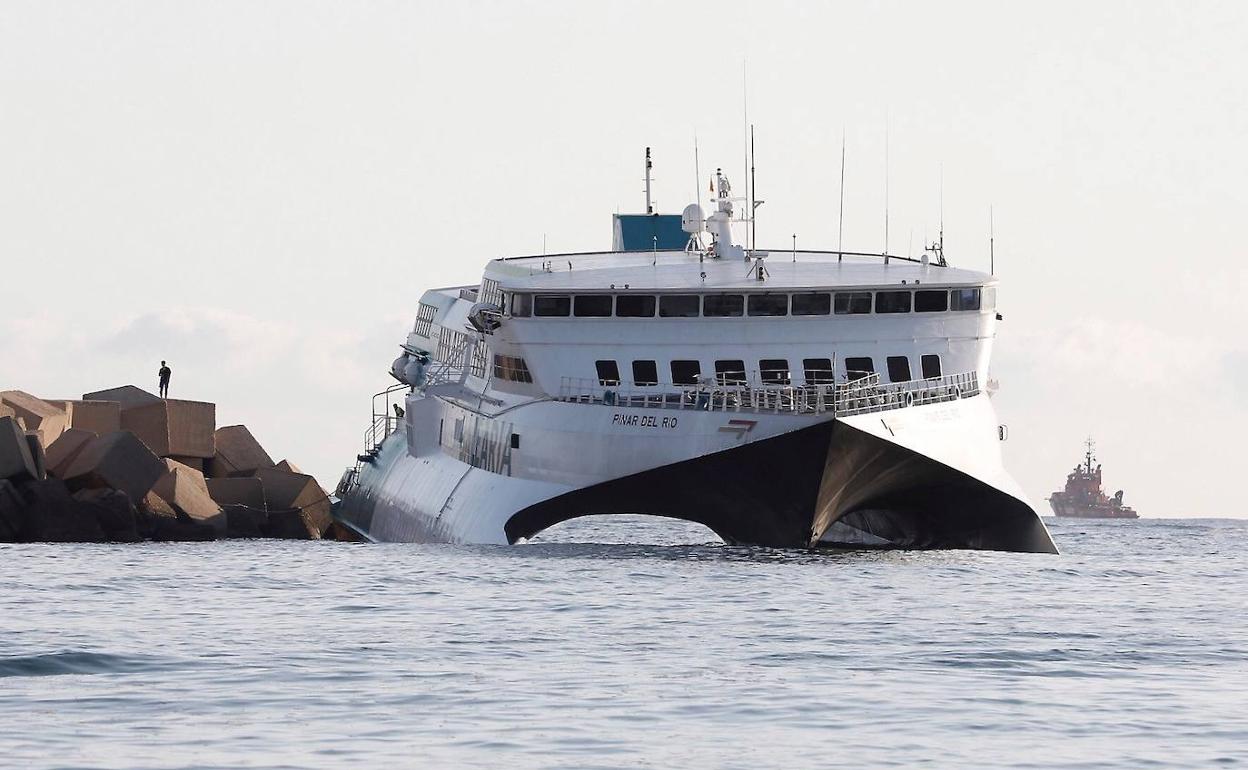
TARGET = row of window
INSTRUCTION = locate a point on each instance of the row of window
(737, 305)
(771, 371)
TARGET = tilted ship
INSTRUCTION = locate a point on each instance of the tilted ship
(786, 398)
(1083, 498)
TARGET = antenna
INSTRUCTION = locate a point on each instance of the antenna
(753, 191)
(697, 170)
(886, 187)
(840, 220)
(745, 148)
(649, 208)
(795, 247)
(992, 262)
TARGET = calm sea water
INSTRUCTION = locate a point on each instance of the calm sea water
(623, 643)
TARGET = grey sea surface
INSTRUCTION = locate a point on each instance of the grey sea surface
(628, 642)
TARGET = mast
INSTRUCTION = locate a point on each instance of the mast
(840, 220)
(649, 208)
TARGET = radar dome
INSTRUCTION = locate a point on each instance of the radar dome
(692, 220)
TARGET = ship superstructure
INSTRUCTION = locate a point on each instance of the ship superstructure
(1083, 498)
(783, 398)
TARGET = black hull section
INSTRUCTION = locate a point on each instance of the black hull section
(786, 492)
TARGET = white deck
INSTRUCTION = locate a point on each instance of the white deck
(677, 270)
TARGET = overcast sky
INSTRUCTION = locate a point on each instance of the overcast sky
(260, 192)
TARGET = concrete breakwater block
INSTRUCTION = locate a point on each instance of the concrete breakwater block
(38, 415)
(185, 490)
(117, 460)
(196, 463)
(238, 453)
(37, 455)
(16, 462)
(126, 395)
(297, 492)
(95, 416)
(174, 427)
(52, 515)
(239, 490)
(63, 451)
(113, 511)
(245, 521)
(12, 512)
(7, 411)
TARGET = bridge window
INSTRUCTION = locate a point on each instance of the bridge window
(552, 305)
(723, 305)
(990, 298)
(774, 371)
(852, 302)
(731, 372)
(592, 306)
(818, 371)
(769, 304)
(931, 301)
(931, 365)
(816, 303)
(857, 368)
(608, 372)
(686, 372)
(898, 369)
(522, 305)
(679, 305)
(645, 373)
(892, 302)
(634, 305)
(511, 368)
(964, 299)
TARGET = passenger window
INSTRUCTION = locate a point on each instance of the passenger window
(730, 372)
(818, 371)
(964, 299)
(522, 305)
(898, 369)
(552, 305)
(608, 372)
(645, 373)
(892, 302)
(686, 372)
(931, 366)
(511, 368)
(852, 302)
(931, 301)
(818, 303)
(769, 304)
(723, 305)
(857, 368)
(774, 371)
(634, 305)
(679, 305)
(592, 306)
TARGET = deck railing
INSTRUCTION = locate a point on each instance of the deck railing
(860, 396)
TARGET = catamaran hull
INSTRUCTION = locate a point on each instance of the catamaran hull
(923, 477)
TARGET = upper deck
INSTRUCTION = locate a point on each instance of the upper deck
(680, 270)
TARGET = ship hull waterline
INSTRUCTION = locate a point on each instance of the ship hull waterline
(827, 484)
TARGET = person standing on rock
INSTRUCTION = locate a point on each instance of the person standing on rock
(165, 373)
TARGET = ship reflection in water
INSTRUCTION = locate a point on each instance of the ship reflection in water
(1083, 497)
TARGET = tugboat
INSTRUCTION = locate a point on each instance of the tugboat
(1083, 498)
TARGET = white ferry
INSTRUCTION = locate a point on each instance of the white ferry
(781, 398)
